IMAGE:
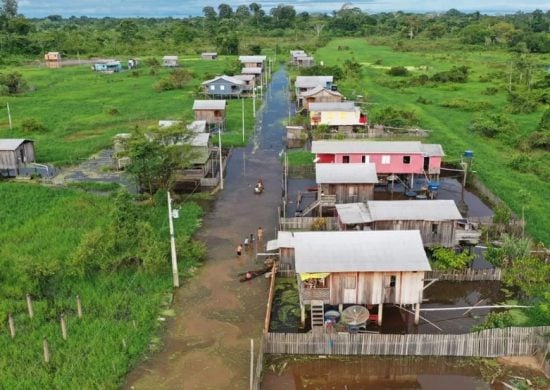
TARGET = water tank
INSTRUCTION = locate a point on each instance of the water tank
(469, 154)
(433, 186)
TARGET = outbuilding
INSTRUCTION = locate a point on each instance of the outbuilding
(170, 61)
(211, 111)
(15, 154)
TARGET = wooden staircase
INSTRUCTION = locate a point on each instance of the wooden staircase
(317, 314)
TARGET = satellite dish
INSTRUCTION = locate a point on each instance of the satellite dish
(355, 315)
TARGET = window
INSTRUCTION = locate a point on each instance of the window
(365, 159)
(222, 87)
(392, 280)
(435, 227)
(212, 87)
(386, 159)
(406, 159)
(345, 159)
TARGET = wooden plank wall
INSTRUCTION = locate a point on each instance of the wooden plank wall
(465, 275)
(487, 343)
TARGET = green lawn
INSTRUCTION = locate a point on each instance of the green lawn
(76, 105)
(451, 126)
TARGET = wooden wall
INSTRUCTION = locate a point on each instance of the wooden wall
(443, 237)
(350, 193)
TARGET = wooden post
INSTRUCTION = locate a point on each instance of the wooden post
(417, 314)
(78, 307)
(63, 327)
(251, 363)
(340, 307)
(11, 323)
(29, 306)
(46, 348)
(303, 314)
(380, 310)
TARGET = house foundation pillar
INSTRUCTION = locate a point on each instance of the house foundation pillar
(340, 307)
(303, 314)
(380, 309)
(417, 314)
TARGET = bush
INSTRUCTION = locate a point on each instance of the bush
(32, 125)
(490, 91)
(393, 117)
(398, 71)
(13, 83)
(466, 105)
(455, 75)
(493, 125)
(445, 258)
(153, 62)
(113, 111)
(521, 103)
(177, 79)
(423, 100)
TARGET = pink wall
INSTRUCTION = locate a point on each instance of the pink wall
(396, 164)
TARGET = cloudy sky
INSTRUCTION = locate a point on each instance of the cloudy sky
(184, 8)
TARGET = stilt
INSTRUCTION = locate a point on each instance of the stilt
(417, 314)
(380, 309)
(412, 181)
(340, 307)
(303, 314)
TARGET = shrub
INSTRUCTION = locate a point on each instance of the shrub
(113, 111)
(398, 71)
(519, 103)
(455, 75)
(31, 125)
(152, 62)
(493, 125)
(177, 79)
(495, 320)
(490, 91)
(13, 83)
(466, 105)
(393, 117)
(423, 100)
(445, 258)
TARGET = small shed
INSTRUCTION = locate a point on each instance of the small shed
(52, 56)
(132, 63)
(224, 87)
(319, 94)
(305, 61)
(249, 82)
(437, 220)
(252, 61)
(348, 183)
(15, 154)
(256, 72)
(107, 66)
(209, 56)
(211, 111)
(170, 61)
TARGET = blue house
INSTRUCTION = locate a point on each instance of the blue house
(224, 86)
(107, 66)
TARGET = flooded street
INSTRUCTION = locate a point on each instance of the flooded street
(207, 344)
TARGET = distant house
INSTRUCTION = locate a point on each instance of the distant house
(252, 61)
(320, 95)
(211, 111)
(107, 66)
(15, 155)
(340, 116)
(406, 158)
(224, 87)
(249, 82)
(209, 56)
(52, 56)
(439, 221)
(256, 72)
(170, 61)
(364, 268)
(294, 54)
(305, 83)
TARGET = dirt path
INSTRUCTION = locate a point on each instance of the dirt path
(207, 343)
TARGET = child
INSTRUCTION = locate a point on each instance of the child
(239, 250)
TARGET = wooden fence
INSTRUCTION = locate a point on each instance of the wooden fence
(465, 275)
(486, 343)
(305, 171)
(257, 380)
(305, 223)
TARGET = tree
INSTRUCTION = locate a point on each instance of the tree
(225, 11)
(9, 9)
(209, 13)
(128, 29)
(242, 13)
(283, 15)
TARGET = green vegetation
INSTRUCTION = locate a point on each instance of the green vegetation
(46, 251)
(300, 158)
(447, 258)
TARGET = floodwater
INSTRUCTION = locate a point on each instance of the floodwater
(207, 344)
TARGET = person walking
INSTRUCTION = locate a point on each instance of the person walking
(260, 234)
(239, 250)
(246, 243)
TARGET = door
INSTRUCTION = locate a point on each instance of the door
(350, 288)
(389, 288)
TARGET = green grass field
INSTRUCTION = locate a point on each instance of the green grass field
(41, 229)
(449, 126)
(75, 105)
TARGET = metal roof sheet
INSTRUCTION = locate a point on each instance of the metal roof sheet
(334, 106)
(170, 57)
(345, 173)
(312, 81)
(209, 53)
(200, 139)
(251, 70)
(197, 126)
(246, 59)
(245, 77)
(353, 213)
(11, 143)
(229, 79)
(359, 146)
(360, 251)
(209, 105)
(433, 150)
(413, 210)
(317, 89)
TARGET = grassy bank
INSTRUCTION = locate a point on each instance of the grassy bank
(42, 231)
(450, 126)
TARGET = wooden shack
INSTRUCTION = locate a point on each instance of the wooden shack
(170, 61)
(320, 94)
(15, 154)
(249, 82)
(107, 66)
(437, 220)
(224, 87)
(252, 61)
(364, 268)
(210, 56)
(306, 83)
(211, 111)
(344, 117)
(256, 72)
(348, 183)
(52, 56)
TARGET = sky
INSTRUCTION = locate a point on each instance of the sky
(185, 8)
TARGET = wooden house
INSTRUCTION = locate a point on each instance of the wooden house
(356, 267)
(210, 56)
(404, 158)
(52, 56)
(249, 82)
(170, 61)
(15, 155)
(294, 54)
(252, 61)
(439, 221)
(342, 117)
(305, 83)
(224, 87)
(107, 66)
(256, 72)
(347, 183)
(211, 111)
(320, 95)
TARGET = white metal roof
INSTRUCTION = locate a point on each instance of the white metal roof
(297, 52)
(209, 53)
(200, 139)
(360, 251)
(247, 59)
(168, 123)
(197, 126)
(170, 57)
(209, 105)
(433, 150)
(333, 106)
(345, 173)
(319, 88)
(413, 210)
(229, 79)
(11, 143)
(353, 213)
(410, 147)
(251, 70)
(284, 240)
(245, 77)
(312, 81)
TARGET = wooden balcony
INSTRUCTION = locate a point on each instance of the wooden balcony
(315, 294)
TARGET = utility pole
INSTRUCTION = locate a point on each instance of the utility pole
(9, 115)
(465, 170)
(254, 100)
(242, 114)
(175, 274)
(221, 159)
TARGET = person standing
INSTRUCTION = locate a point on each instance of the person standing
(260, 234)
(239, 250)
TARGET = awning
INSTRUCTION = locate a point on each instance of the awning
(313, 275)
(272, 245)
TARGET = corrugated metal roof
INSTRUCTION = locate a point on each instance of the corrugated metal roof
(353, 213)
(333, 106)
(345, 173)
(168, 123)
(251, 71)
(200, 139)
(197, 126)
(170, 57)
(312, 81)
(433, 150)
(208, 53)
(413, 210)
(245, 77)
(11, 143)
(285, 239)
(272, 245)
(209, 105)
(246, 59)
(360, 251)
(229, 79)
(295, 52)
(411, 147)
(316, 90)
